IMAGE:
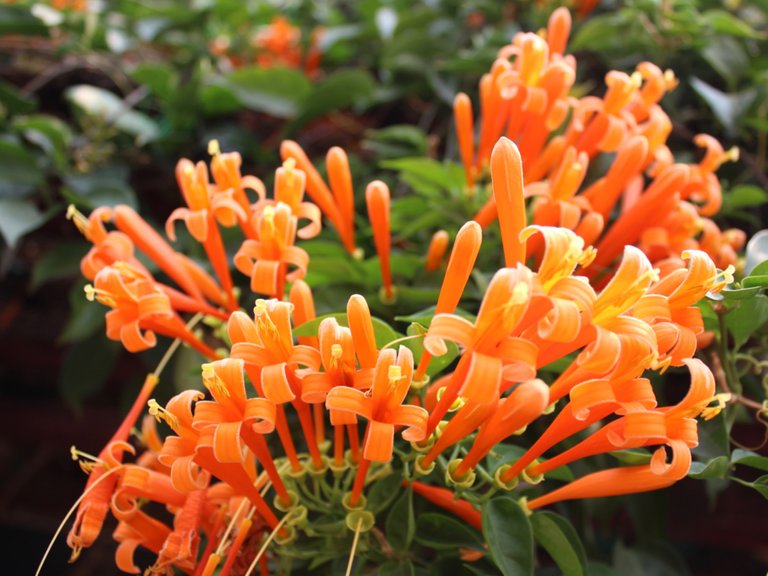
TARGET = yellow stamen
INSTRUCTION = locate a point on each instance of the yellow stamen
(213, 381)
(721, 400)
(161, 414)
(336, 352)
(79, 220)
(86, 461)
(213, 147)
(102, 296)
(670, 79)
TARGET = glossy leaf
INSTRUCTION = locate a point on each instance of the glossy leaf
(440, 532)
(558, 537)
(509, 535)
(401, 522)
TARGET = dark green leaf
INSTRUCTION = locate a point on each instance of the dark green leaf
(751, 459)
(715, 468)
(18, 217)
(747, 318)
(761, 484)
(340, 90)
(15, 101)
(727, 108)
(396, 568)
(86, 368)
(20, 20)
(631, 456)
(19, 172)
(726, 23)
(60, 261)
(51, 134)
(728, 57)
(559, 538)
(274, 91)
(85, 318)
(383, 492)
(104, 186)
(744, 196)
(401, 522)
(508, 533)
(443, 532)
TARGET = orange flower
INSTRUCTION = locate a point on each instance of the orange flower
(138, 304)
(383, 408)
(377, 200)
(320, 193)
(436, 250)
(266, 260)
(200, 221)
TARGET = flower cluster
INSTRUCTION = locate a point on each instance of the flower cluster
(277, 44)
(301, 415)
(646, 198)
(325, 409)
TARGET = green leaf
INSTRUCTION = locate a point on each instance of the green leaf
(401, 522)
(751, 459)
(110, 108)
(19, 172)
(427, 175)
(340, 90)
(16, 101)
(383, 492)
(761, 484)
(20, 20)
(509, 535)
(218, 99)
(278, 92)
(744, 196)
(715, 468)
(18, 217)
(85, 318)
(104, 186)
(631, 457)
(396, 568)
(398, 141)
(86, 368)
(161, 78)
(442, 532)
(49, 133)
(382, 331)
(727, 108)
(60, 261)
(725, 23)
(747, 318)
(728, 57)
(559, 538)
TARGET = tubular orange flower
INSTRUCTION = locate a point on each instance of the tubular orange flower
(460, 265)
(507, 173)
(465, 133)
(138, 304)
(93, 509)
(384, 408)
(318, 191)
(490, 352)
(377, 200)
(436, 250)
(200, 221)
(266, 260)
(340, 179)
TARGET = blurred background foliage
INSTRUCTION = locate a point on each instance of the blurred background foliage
(98, 100)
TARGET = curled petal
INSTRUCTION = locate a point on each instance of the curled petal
(274, 382)
(346, 399)
(448, 327)
(260, 414)
(415, 418)
(227, 446)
